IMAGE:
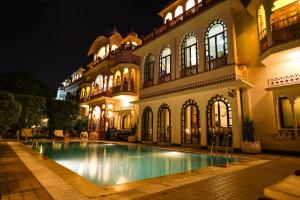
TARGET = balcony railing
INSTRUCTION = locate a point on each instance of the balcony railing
(188, 71)
(97, 95)
(216, 63)
(148, 83)
(198, 8)
(165, 78)
(284, 80)
(126, 88)
(126, 56)
(286, 30)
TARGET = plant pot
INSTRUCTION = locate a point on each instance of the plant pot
(131, 138)
(251, 147)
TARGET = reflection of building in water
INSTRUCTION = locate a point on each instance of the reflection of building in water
(209, 66)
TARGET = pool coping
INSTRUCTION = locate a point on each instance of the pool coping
(137, 188)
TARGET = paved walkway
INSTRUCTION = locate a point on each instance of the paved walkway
(241, 185)
(16, 181)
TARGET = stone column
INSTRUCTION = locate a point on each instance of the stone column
(129, 79)
(268, 11)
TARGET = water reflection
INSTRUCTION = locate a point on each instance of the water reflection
(116, 164)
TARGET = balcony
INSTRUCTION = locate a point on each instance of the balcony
(107, 93)
(286, 30)
(194, 11)
(125, 88)
(228, 76)
(188, 71)
(216, 63)
(284, 81)
(148, 83)
(126, 56)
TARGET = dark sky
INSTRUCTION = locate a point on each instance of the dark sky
(52, 37)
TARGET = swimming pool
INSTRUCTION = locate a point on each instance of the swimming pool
(110, 164)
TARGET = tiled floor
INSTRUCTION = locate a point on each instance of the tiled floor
(16, 181)
(240, 185)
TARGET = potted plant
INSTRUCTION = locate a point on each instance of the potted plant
(249, 145)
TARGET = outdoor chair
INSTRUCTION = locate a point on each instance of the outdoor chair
(26, 133)
(59, 134)
(84, 136)
(94, 136)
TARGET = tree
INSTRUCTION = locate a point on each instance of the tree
(32, 111)
(9, 111)
(62, 114)
(24, 82)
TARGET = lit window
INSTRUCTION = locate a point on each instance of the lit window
(189, 51)
(114, 47)
(148, 68)
(99, 82)
(101, 53)
(164, 124)
(216, 44)
(261, 21)
(117, 80)
(165, 63)
(178, 11)
(168, 17)
(189, 4)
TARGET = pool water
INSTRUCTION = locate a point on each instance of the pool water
(109, 164)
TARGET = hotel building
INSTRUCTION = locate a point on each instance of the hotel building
(212, 64)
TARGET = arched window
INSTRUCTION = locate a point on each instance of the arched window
(147, 124)
(82, 94)
(165, 64)
(189, 4)
(168, 17)
(148, 70)
(96, 118)
(117, 78)
(164, 124)
(88, 92)
(216, 45)
(219, 119)
(190, 123)
(261, 22)
(178, 11)
(99, 81)
(189, 55)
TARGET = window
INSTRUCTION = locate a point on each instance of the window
(95, 118)
(219, 119)
(190, 123)
(99, 82)
(148, 68)
(216, 45)
(117, 80)
(178, 11)
(285, 113)
(189, 52)
(189, 4)
(82, 94)
(261, 22)
(165, 64)
(164, 124)
(168, 17)
(147, 125)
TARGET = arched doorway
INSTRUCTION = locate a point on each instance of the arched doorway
(190, 123)
(126, 121)
(219, 119)
(147, 124)
(164, 124)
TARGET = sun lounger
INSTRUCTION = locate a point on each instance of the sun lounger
(288, 189)
(59, 134)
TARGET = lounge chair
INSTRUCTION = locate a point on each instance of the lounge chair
(26, 133)
(84, 136)
(59, 134)
(288, 189)
(94, 136)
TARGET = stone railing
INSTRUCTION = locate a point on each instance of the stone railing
(284, 80)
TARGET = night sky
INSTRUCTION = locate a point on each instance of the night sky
(51, 38)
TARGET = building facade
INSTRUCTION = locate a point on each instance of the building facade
(212, 64)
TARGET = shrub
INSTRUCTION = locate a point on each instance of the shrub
(9, 111)
(248, 130)
(81, 124)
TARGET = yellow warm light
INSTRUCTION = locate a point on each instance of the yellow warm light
(281, 3)
(178, 11)
(125, 70)
(168, 17)
(189, 4)
(294, 55)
